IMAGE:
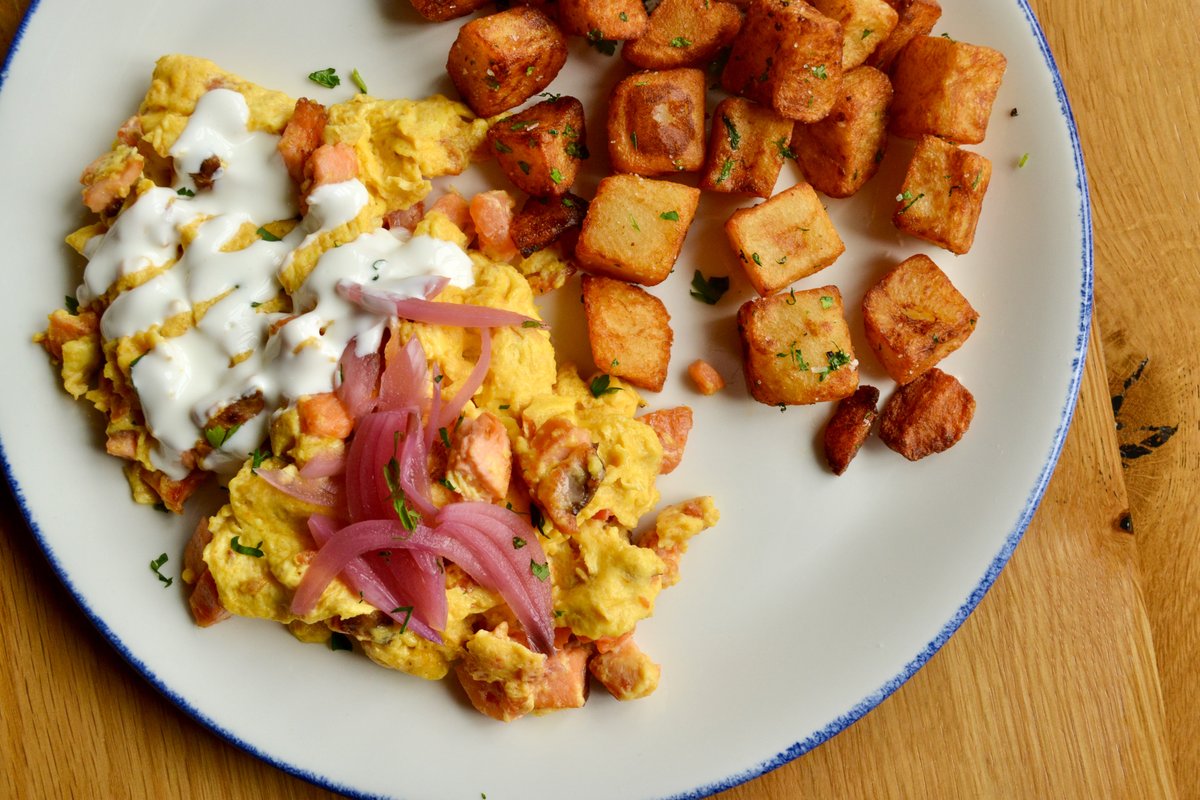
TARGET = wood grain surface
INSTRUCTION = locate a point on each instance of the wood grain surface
(1075, 678)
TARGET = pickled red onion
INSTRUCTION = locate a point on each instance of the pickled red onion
(464, 315)
(317, 491)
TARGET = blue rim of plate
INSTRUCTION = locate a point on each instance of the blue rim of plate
(861, 708)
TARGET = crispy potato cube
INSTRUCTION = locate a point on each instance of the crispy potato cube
(926, 416)
(635, 227)
(914, 317)
(746, 148)
(543, 220)
(656, 122)
(842, 152)
(787, 56)
(784, 239)
(797, 349)
(672, 426)
(603, 19)
(442, 10)
(629, 330)
(865, 23)
(705, 376)
(943, 194)
(683, 33)
(849, 427)
(945, 88)
(500, 61)
(916, 18)
(540, 148)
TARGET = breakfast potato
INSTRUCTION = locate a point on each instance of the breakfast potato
(629, 330)
(683, 33)
(865, 24)
(603, 19)
(656, 122)
(916, 18)
(672, 426)
(746, 148)
(540, 148)
(849, 427)
(945, 88)
(784, 239)
(541, 221)
(500, 61)
(926, 416)
(442, 10)
(914, 317)
(635, 227)
(796, 348)
(787, 56)
(943, 194)
(842, 152)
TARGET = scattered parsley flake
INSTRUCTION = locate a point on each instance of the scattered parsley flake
(633, 223)
(72, 305)
(246, 550)
(978, 176)
(445, 436)
(407, 611)
(735, 138)
(796, 357)
(709, 290)
(908, 196)
(1023, 161)
(258, 457)
(866, 32)
(339, 641)
(391, 475)
(555, 175)
(754, 257)
(531, 323)
(540, 571)
(623, 17)
(218, 435)
(576, 150)
(568, 202)
(606, 46)
(529, 70)
(524, 166)
(726, 170)
(1013, 113)
(183, 191)
(520, 124)
(781, 144)
(154, 566)
(266, 235)
(491, 82)
(826, 301)
(325, 77)
(791, 301)
(680, 41)
(669, 216)
(819, 72)
(633, 139)
(600, 387)
(501, 147)
(357, 78)
(551, 96)
(536, 519)
(518, 542)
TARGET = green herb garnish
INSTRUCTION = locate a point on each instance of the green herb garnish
(524, 166)
(726, 169)
(600, 387)
(258, 457)
(154, 566)
(325, 77)
(735, 138)
(358, 80)
(340, 641)
(407, 612)
(819, 72)
(669, 216)
(518, 542)
(680, 41)
(540, 571)
(183, 191)
(708, 290)
(266, 235)
(72, 306)
(555, 175)
(218, 435)
(237, 547)
(501, 147)
(826, 301)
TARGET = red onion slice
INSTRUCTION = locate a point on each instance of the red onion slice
(471, 385)
(404, 378)
(381, 301)
(324, 465)
(318, 491)
(359, 379)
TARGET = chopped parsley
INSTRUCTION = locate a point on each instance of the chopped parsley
(866, 32)
(446, 482)
(826, 301)
(568, 202)
(491, 82)
(602, 45)
(445, 436)
(555, 175)
(781, 144)
(529, 70)
(576, 150)
(520, 124)
(536, 519)
(819, 72)
(600, 386)
(391, 474)
(524, 165)
(782, 260)
(709, 290)
(72, 306)
(531, 323)
(245, 550)
(791, 301)
(518, 542)
(726, 169)
(796, 357)
(633, 223)
(266, 235)
(633, 139)
(978, 176)
(154, 567)
(357, 78)
(258, 457)
(669, 216)
(754, 257)
(540, 571)
(325, 77)
(1013, 113)
(407, 612)
(1023, 161)
(183, 191)
(680, 41)
(501, 147)
(218, 435)
(551, 96)
(907, 195)
(623, 17)
(735, 138)
(837, 358)
(339, 641)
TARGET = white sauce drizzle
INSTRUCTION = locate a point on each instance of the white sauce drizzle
(185, 380)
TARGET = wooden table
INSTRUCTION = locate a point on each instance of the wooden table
(1076, 675)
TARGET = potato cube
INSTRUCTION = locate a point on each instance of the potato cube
(672, 426)
(635, 227)
(629, 330)
(914, 317)
(917, 18)
(943, 194)
(683, 33)
(442, 10)
(796, 348)
(865, 24)
(787, 56)
(842, 152)
(746, 148)
(926, 416)
(541, 221)
(540, 148)
(500, 61)
(603, 19)
(945, 88)
(656, 122)
(784, 239)
(849, 427)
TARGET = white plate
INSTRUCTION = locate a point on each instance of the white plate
(813, 599)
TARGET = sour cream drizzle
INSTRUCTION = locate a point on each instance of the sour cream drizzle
(231, 353)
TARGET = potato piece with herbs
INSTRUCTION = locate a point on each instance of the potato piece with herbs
(945, 88)
(865, 24)
(683, 33)
(916, 18)
(629, 330)
(926, 416)
(540, 148)
(787, 56)
(784, 239)
(541, 221)
(442, 10)
(656, 122)
(597, 20)
(849, 427)
(842, 152)
(635, 227)
(914, 317)
(943, 194)
(500, 61)
(746, 148)
(796, 348)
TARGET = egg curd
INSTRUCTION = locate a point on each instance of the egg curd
(252, 261)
